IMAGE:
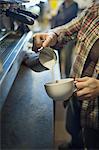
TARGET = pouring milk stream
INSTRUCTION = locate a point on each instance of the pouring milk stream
(48, 59)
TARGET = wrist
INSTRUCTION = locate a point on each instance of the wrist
(55, 33)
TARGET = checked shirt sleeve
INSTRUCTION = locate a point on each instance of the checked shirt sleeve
(68, 31)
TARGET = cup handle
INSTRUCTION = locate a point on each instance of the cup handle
(75, 88)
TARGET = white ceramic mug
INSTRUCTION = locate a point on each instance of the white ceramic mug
(61, 90)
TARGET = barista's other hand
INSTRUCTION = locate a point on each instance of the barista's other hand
(87, 88)
(44, 40)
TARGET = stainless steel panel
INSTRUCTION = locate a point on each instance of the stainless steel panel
(11, 65)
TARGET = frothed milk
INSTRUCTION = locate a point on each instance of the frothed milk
(50, 64)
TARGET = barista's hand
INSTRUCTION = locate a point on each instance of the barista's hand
(88, 88)
(44, 40)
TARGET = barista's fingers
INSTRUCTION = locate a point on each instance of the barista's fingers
(83, 92)
(44, 40)
(82, 82)
(81, 85)
(51, 39)
(37, 43)
(85, 82)
(82, 79)
(47, 42)
(37, 40)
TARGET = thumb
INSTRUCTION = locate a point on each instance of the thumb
(82, 79)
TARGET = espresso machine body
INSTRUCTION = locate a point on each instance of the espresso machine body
(14, 37)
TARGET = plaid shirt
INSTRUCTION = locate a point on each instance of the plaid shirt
(86, 29)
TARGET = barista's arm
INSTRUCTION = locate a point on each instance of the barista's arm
(69, 31)
(59, 36)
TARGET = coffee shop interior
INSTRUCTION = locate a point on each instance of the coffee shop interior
(29, 118)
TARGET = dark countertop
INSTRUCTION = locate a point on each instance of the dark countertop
(27, 115)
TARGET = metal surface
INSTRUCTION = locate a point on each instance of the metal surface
(7, 45)
(3, 34)
(11, 57)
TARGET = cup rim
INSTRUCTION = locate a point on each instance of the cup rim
(59, 83)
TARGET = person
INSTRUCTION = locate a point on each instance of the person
(82, 120)
(66, 12)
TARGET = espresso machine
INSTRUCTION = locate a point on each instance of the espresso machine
(14, 37)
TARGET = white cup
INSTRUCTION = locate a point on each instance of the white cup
(60, 90)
